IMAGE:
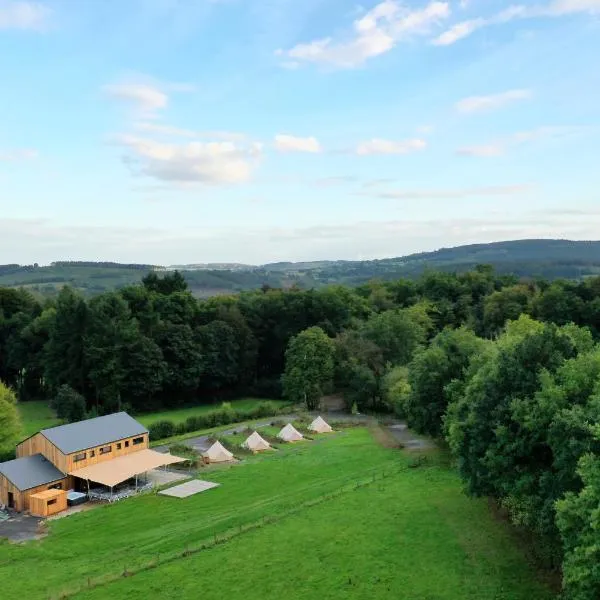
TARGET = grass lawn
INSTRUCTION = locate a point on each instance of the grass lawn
(35, 416)
(180, 415)
(413, 536)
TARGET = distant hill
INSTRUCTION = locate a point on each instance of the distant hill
(526, 258)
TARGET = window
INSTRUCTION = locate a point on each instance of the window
(118, 445)
(79, 457)
(105, 449)
(127, 444)
(56, 486)
(137, 441)
(51, 502)
(92, 453)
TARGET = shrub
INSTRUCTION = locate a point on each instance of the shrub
(161, 429)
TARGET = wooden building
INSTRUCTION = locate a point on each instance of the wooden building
(46, 459)
(49, 502)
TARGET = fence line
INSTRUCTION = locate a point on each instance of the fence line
(159, 559)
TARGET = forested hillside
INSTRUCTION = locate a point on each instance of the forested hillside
(549, 259)
(506, 371)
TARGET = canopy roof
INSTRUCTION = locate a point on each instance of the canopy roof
(320, 426)
(218, 453)
(255, 442)
(289, 434)
(112, 472)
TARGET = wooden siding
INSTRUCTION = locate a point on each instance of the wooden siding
(72, 465)
(22, 497)
(45, 503)
(39, 444)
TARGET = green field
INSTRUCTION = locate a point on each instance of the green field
(180, 415)
(412, 535)
(36, 416)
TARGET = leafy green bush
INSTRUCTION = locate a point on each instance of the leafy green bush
(161, 429)
(225, 415)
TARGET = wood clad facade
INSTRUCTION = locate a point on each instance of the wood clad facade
(93, 456)
(21, 498)
(47, 503)
(39, 444)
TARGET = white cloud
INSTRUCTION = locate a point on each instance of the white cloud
(557, 8)
(379, 146)
(145, 98)
(375, 33)
(19, 154)
(146, 95)
(491, 190)
(201, 162)
(501, 146)
(492, 102)
(24, 15)
(291, 143)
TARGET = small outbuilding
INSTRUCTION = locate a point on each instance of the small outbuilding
(256, 443)
(49, 502)
(319, 425)
(290, 434)
(218, 453)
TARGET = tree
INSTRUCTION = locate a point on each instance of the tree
(431, 370)
(65, 353)
(68, 404)
(10, 424)
(396, 390)
(308, 367)
(110, 333)
(578, 518)
(396, 334)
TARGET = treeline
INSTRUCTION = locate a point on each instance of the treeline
(155, 345)
(106, 265)
(506, 371)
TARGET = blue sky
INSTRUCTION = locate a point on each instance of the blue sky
(179, 131)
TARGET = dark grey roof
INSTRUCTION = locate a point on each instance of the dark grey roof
(30, 471)
(93, 432)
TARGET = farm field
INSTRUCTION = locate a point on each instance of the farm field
(37, 415)
(412, 535)
(180, 415)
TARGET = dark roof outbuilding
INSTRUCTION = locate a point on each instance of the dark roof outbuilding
(93, 432)
(30, 471)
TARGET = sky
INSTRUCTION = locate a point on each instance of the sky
(254, 131)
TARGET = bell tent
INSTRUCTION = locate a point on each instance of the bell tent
(218, 453)
(290, 434)
(255, 443)
(320, 426)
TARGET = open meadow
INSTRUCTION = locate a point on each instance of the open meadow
(349, 515)
(37, 415)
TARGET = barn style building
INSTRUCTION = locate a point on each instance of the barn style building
(105, 450)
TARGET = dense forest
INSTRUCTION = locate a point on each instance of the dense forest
(548, 259)
(504, 371)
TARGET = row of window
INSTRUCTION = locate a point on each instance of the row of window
(106, 449)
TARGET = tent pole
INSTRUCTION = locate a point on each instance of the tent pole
(136, 482)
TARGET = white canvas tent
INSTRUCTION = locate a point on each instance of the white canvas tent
(320, 426)
(290, 434)
(218, 453)
(256, 443)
